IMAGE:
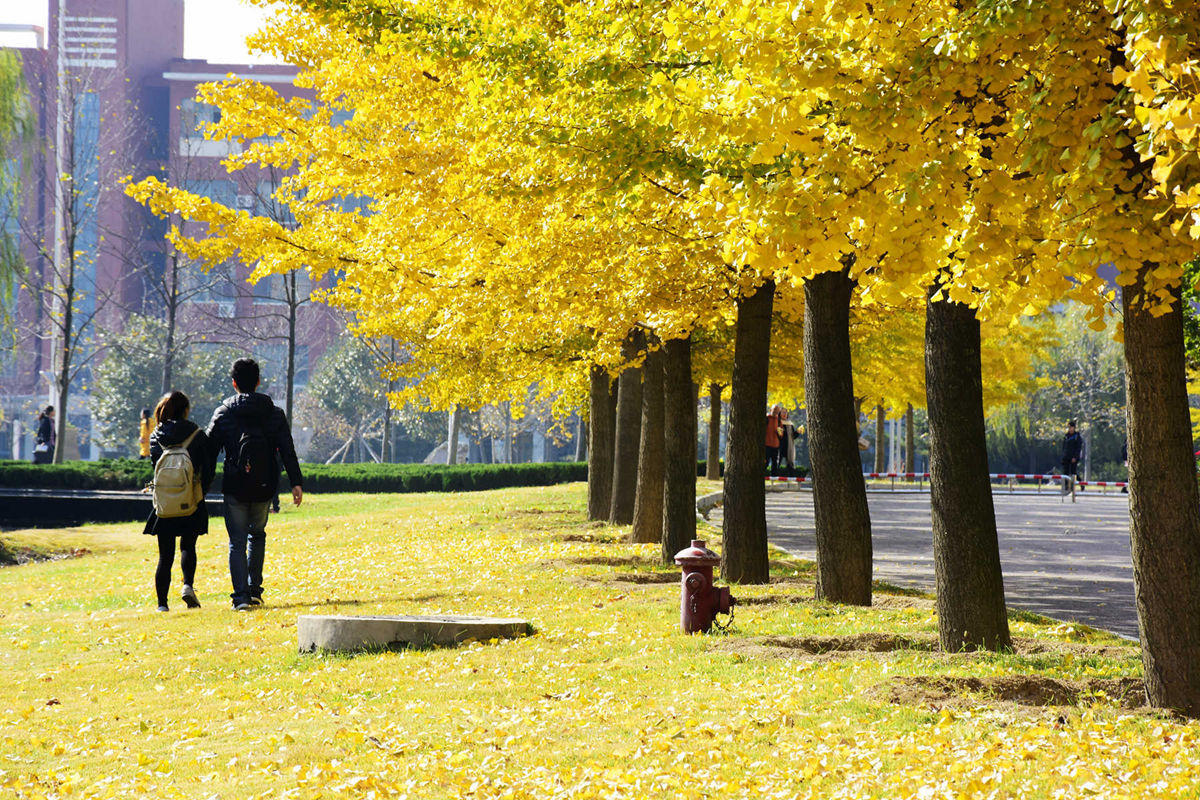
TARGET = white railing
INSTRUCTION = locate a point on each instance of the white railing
(1011, 480)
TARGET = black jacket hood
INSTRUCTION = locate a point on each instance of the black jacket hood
(174, 431)
(252, 406)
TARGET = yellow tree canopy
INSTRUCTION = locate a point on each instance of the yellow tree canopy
(1162, 48)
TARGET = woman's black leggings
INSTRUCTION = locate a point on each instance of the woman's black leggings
(166, 559)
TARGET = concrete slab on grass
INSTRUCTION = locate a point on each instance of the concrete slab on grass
(341, 634)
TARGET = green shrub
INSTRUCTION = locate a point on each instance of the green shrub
(127, 474)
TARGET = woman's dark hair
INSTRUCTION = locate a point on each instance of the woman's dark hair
(45, 412)
(245, 375)
(145, 413)
(173, 405)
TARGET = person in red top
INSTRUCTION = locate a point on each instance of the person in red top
(774, 424)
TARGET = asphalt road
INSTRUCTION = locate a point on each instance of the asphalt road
(1064, 560)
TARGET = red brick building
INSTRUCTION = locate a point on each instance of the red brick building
(127, 107)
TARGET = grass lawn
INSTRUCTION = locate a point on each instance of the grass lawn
(104, 697)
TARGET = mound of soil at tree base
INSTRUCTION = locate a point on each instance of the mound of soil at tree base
(642, 577)
(858, 643)
(875, 643)
(775, 600)
(618, 561)
(15, 557)
(598, 537)
(623, 580)
(1025, 690)
(870, 642)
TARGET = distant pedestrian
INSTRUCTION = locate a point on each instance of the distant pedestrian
(183, 472)
(45, 438)
(145, 427)
(1072, 445)
(774, 429)
(251, 430)
(787, 442)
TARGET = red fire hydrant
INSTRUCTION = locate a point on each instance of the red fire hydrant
(701, 601)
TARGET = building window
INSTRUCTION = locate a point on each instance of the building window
(194, 115)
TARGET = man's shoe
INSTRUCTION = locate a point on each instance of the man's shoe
(256, 601)
(162, 608)
(242, 607)
(189, 597)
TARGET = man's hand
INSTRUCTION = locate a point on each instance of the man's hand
(297, 495)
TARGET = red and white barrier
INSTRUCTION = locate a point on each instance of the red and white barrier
(1010, 478)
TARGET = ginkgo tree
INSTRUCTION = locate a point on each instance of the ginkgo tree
(1147, 225)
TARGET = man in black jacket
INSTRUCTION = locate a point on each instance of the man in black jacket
(251, 430)
(1072, 453)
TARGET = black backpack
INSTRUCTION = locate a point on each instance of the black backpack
(256, 478)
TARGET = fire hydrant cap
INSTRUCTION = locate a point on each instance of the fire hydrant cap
(697, 556)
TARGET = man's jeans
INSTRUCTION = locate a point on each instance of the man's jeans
(246, 524)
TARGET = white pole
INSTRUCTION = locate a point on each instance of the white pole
(59, 168)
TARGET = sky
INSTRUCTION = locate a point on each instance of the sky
(215, 30)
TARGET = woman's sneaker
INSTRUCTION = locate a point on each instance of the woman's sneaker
(189, 597)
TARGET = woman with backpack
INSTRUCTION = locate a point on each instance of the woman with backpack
(183, 471)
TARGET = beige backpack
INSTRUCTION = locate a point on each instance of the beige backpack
(176, 488)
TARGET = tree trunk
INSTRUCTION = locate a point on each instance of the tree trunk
(1164, 505)
(385, 447)
(62, 362)
(745, 522)
(172, 314)
(842, 520)
(386, 451)
(600, 450)
(966, 551)
(581, 440)
(679, 493)
(628, 440)
(1086, 418)
(508, 437)
(452, 436)
(910, 445)
(880, 460)
(648, 499)
(712, 458)
(293, 304)
(60, 422)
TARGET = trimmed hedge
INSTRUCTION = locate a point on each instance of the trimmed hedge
(109, 473)
(436, 478)
(127, 474)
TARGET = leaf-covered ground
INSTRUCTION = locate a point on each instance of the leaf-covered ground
(104, 697)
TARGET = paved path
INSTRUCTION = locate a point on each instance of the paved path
(1067, 561)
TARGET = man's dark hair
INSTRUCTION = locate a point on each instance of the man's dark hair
(245, 375)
